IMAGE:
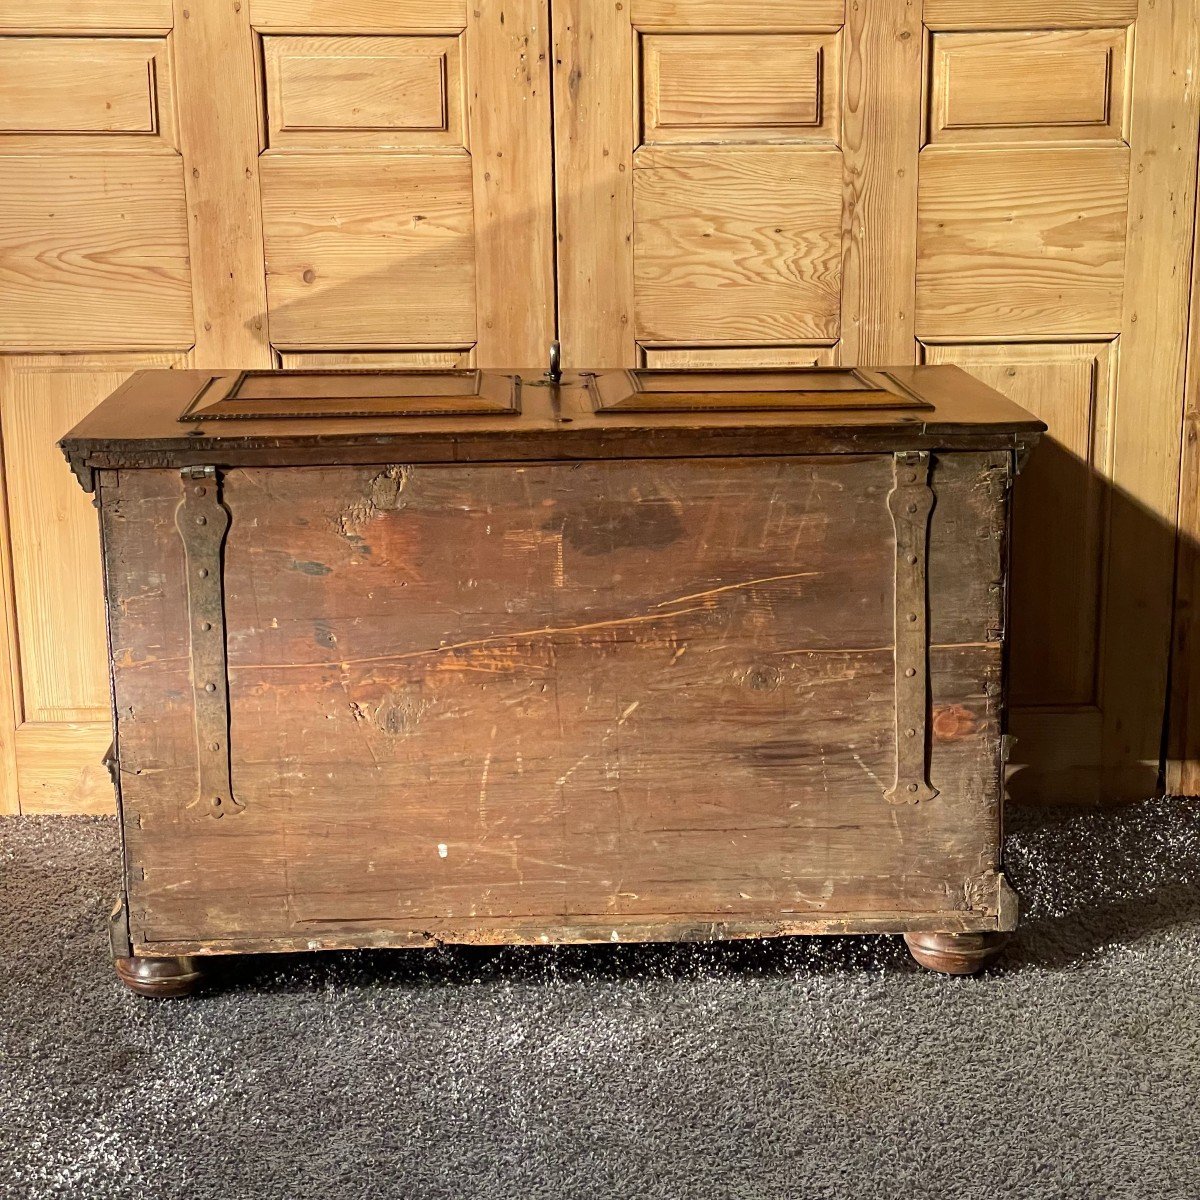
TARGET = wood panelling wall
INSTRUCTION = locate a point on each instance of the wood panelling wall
(1007, 185)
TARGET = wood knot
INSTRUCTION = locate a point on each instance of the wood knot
(762, 678)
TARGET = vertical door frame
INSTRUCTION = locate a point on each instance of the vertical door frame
(219, 141)
(1183, 726)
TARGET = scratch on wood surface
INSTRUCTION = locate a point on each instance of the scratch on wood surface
(483, 779)
(563, 778)
(731, 587)
(512, 852)
(883, 787)
(485, 641)
(627, 713)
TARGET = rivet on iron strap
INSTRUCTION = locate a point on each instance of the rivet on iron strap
(203, 522)
(911, 502)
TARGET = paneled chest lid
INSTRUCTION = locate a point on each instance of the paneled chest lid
(290, 418)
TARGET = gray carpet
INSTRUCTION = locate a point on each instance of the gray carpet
(810, 1068)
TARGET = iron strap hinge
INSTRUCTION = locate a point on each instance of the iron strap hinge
(203, 522)
(911, 502)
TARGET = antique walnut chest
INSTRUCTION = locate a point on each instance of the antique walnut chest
(408, 658)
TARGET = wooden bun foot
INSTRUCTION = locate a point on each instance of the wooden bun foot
(955, 953)
(158, 976)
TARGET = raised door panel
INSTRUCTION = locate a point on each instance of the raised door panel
(738, 356)
(706, 87)
(405, 178)
(408, 360)
(1032, 85)
(369, 92)
(66, 93)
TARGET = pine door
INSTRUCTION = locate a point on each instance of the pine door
(1006, 185)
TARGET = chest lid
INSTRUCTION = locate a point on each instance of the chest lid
(168, 418)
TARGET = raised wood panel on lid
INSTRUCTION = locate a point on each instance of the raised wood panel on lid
(1059, 509)
(93, 89)
(55, 553)
(748, 15)
(741, 244)
(1039, 85)
(738, 356)
(1021, 242)
(366, 249)
(363, 92)
(84, 16)
(359, 16)
(93, 252)
(408, 360)
(739, 87)
(1028, 14)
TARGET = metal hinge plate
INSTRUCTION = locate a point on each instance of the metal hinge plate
(911, 502)
(203, 521)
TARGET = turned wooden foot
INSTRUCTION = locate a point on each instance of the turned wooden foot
(955, 953)
(158, 976)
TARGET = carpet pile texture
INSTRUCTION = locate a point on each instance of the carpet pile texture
(807, 1068)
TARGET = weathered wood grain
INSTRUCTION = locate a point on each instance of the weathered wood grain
(472, 702)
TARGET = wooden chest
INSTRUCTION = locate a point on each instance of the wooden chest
(401, 659)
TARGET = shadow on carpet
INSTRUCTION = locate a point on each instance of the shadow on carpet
(807, 1068)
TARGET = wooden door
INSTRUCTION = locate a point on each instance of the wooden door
(224, 183)
(1004, 185)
